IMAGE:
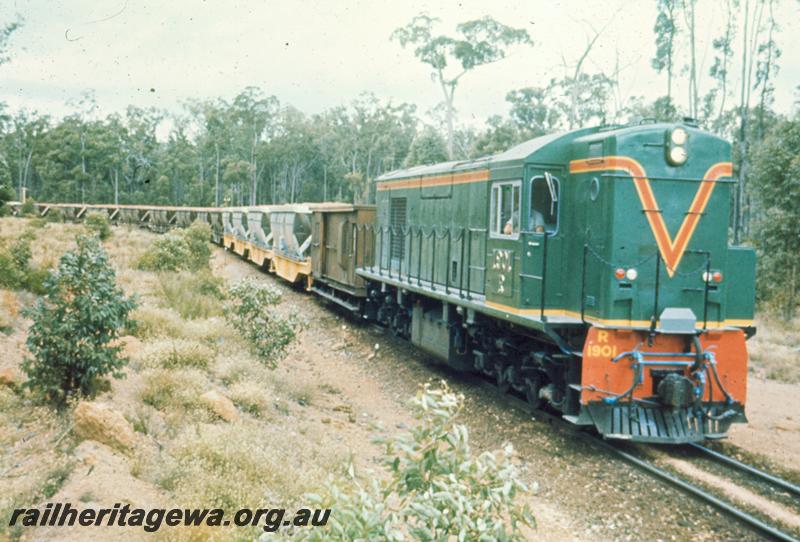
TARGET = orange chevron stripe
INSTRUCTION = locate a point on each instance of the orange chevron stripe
(671, 250)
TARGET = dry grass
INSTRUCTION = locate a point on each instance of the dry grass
(160, 322)
(238, 465)
(176, 353)
(157, 322)
(33, 468)
(192, 295)
(251, 397)
(175, 391)
(9, 310)
(237, 365)
(775, 350)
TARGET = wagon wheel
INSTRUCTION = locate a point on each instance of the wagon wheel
(533, 383)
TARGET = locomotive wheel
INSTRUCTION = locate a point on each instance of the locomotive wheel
(501, 375)
(533, 385)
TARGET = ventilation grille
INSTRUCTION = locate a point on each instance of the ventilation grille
(397, 220)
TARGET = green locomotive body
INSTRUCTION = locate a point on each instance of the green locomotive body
(589, 271)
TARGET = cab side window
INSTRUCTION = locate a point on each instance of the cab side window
(543, 216)
(505, 204)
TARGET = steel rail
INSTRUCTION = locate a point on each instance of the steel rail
(780, 482)
(657, 472)
(701, 494)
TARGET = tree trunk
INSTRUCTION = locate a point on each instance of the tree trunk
(216, 182)
(449, 112)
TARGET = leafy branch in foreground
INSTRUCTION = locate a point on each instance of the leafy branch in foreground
(437, 489)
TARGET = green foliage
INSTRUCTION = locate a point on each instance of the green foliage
(6, 195)
(28, 208)
(16, 271)
(481, 41)
(437, 488)
(249, 311)
(429, 147)
(776, 227)
(75, 325)
(186, 248)
(97, 223)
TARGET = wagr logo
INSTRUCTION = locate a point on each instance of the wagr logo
(671, 250)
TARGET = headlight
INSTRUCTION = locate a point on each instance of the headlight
(677, 155)
(631, 274)
(678, 136)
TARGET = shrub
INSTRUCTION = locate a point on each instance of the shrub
(55, 215)
(6, 194)
(15, 269)
(167, 253)
(186, 248)
(437, 489)
(82, 312)
(248, 311)
(193, 295)
(97, 223)
(28, 208)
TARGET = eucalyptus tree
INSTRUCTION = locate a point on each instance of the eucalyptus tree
(666, 31)
(776, 227)
(479, 42)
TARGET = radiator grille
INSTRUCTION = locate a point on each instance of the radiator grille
(397, 220)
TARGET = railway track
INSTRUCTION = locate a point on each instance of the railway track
(725, 506)
(749, 469)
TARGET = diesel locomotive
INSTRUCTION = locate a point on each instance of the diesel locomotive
(589, 271)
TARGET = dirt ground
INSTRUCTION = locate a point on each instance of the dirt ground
(351, 381)
(773, 431)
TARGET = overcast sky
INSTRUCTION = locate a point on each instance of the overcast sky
(318, 54)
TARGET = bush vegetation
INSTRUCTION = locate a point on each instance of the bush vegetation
(249, 311)
(186, 248)
(97, 223)
(28, 208)
(16, 271)
(82, 313)
(6, 194)
(437, 488)
(192, 295)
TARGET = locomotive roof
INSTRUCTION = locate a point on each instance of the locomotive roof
(518, 152)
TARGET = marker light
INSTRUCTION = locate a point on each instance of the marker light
(678, 136)
(631, 274)
(677, 155)
(619, 273)
(716, 276)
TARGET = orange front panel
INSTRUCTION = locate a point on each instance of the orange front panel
(602, 345)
